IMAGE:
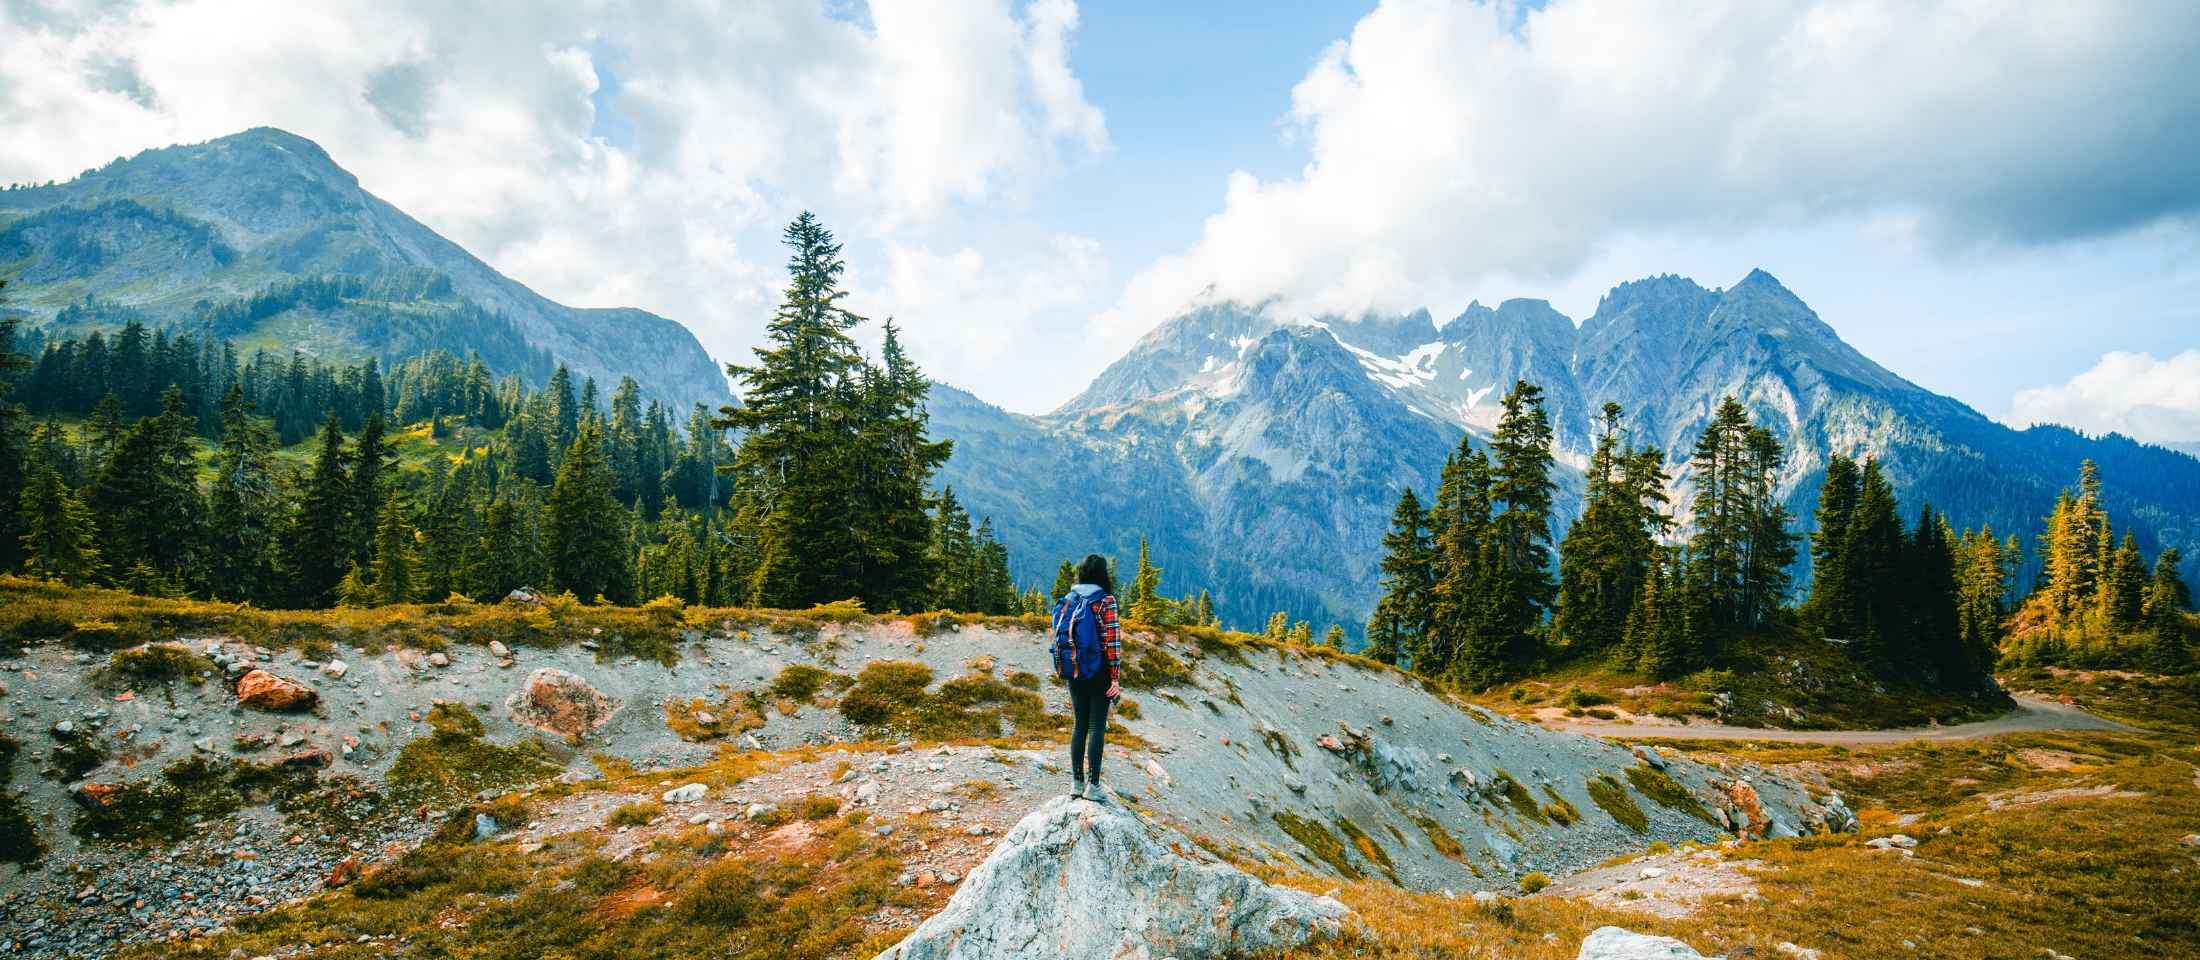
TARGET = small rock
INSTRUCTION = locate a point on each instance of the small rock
(485, 826)
(706, 718)
(1486, 898)
(439, 659)
(262, 690)
(758, 811)
(1613, 943)
(1652, 873)
(497, 648)
(686, 794)
(345, 871)
(335, 669)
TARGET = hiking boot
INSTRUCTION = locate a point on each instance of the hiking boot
(1077, 788)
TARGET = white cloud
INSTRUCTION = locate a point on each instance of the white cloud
(1450, 141)
(2130, 393)
(483, 123)
(975, 317)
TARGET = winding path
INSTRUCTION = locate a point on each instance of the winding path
(2033, 713)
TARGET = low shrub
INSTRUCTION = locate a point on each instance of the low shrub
(640, 813)
(800, 682)
(1610, 795)
(1318, 841)
(1534, 880)
(1668, 792)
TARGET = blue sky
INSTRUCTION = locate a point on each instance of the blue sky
(1997, 202)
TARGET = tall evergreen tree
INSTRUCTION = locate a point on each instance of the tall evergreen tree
(1521, 491)
(147, 498)
(58, 533)
(373, 472)
(585, 529)
(1065, 577)
(13, 472)
(1832, 605)
(894, 461)
(1144, 600)
(1607, 553)
(395, 570)
(794, 466)
(317, 549)
(1873, 562)
(243, 506)
(1403, 615)
(1934, 598)
(511, 555)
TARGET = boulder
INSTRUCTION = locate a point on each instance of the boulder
(262, 690)
(523, 595)
(1077, 879)
(96, 796)
(558, 702)
(1613, 943)
(689, 793)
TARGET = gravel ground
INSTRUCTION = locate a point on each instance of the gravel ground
(1251, 740)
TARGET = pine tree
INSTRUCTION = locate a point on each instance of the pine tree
(2169, 630)
(395, 579)
(895, 460)
(1204, 612)
(1606, 554)
(373, 471)
(511, 554)
(1065, 577)
(1832, 604)
(1302, 633)
(1521, 491)
(1145, 601)
(1333, 638)
(13, 466)
(1459, 522)
(147, 499)
(952, 556)
(1873, 560)
(1279, 626)
(1659, 640)
(2123, 587)
(585, 531)
(796, 469)
(2072, 548)
(243, 507)
(1402, 617)
(57, 537)
(1934, 599)
(317, 549)
(1985, 568)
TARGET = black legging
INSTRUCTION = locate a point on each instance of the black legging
(1088, 700)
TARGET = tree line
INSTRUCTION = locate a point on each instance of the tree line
(825, 494)
(1471, 592)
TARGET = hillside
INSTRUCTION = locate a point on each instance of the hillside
(524, 780)
(933, 728)
(262, 238)
(1263, 452)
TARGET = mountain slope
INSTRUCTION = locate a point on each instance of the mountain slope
(261, 237)
(1263, 452)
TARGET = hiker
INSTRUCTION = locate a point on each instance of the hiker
(1088, 653)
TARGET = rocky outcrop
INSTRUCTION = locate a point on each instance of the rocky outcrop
(262, 690)
(1079, 879)
(558, 702)
(1613, 943)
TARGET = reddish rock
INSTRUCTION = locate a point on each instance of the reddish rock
(262, 690)
(1751, 820)
(96, 795)
(315, 757)
(344, 873)
(558, 702)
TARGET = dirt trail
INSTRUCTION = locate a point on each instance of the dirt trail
(2032, 713)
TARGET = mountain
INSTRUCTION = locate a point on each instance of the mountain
(1263, 452)
(262, 238)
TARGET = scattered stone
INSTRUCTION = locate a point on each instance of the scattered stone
(1899, 841)
(1799, 953)
(439, 659)
(523, 595)
(558, 702)
(1083, 880)
(95, 795)
(1486, 898)
(344, 873)
(498, 650)
(1613, 943)
(686, 794)
(335, 669)
(758, 811)
(262, 690)
(485, 826)
(1652, 873)
(315, 757)
(1650, 755)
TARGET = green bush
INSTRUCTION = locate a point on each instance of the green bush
(1615, 800)
(1535, 880)
(799, 682)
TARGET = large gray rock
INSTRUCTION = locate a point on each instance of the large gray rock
(1077, 879)
(1613, 943)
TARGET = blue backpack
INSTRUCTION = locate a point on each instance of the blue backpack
(1077, 649)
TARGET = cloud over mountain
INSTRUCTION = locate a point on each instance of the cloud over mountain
(2130, 393)
(1449, 141)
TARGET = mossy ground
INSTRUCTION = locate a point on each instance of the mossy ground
(2085, 876)
(894, 695)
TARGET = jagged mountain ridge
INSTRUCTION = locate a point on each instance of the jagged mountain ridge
(190, 235)
(1226, 428)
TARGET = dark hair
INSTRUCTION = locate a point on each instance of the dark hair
(1095, 571)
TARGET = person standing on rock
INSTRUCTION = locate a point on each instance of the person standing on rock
(1088, 655)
